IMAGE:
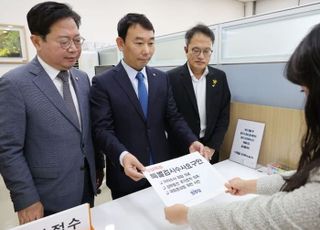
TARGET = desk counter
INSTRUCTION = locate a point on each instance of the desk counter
(144, 209)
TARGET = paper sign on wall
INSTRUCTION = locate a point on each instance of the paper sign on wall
(77, 218)
(246, 143)
(188, 180)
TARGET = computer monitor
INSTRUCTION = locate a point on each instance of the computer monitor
(101, 68)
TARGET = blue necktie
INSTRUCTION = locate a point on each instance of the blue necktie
(142, 93)
(143, 98)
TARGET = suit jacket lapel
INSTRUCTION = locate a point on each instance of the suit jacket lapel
(210, 98)
(47, 87)
(81, 100)
(123, 79)
(152, 89)
(186, 80)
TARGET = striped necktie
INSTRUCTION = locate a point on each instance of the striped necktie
(64, 76)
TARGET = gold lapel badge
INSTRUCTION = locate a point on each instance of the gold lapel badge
(214, 82)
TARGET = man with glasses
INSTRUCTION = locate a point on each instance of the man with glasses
(46, 152)
(201, 93)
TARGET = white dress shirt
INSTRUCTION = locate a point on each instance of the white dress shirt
(199, 87)
(132, 73)
(52, 72)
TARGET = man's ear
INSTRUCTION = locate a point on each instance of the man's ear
(36, 41)
(186, 49)
(120, 43)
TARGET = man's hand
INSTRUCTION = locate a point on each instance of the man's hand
(196, 146)
(133, 167)
(100, 176)
(33, 212)
(208, 152)
(177, 214)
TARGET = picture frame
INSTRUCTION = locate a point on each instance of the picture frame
(13, 44)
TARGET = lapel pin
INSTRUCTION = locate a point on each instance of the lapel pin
(214, 82)
(154, 74)
(77, 78)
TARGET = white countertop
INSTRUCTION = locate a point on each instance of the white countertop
(144, 209)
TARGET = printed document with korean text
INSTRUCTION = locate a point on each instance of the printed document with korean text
(188, 180)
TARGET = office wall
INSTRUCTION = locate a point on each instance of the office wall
(263, 84)
(100, 17)
(266, 6)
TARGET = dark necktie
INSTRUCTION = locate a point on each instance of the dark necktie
(142, 93)
(64, 76)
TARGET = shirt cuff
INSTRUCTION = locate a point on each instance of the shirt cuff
(122, 156)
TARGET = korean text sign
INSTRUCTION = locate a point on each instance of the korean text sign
(246, 143)
(188, 180)
(77, 218)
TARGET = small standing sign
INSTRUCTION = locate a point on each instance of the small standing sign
(246, 143)
(77, 218)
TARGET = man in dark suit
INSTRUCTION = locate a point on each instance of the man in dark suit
(46, 152)
(131, 105)
(201, 93)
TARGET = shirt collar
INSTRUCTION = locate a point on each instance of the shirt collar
(205, 73)
(52, 72)
(132, 73)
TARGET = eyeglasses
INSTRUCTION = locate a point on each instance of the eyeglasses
(197, 51)
(65, 43)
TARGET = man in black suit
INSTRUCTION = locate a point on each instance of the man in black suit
(131, 105)
(201, 93)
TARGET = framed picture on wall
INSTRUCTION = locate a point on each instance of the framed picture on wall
(13, 46)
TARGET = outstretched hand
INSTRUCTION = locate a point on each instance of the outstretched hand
(133, 167)
(177, 214)
(240, 187)
(196, 146)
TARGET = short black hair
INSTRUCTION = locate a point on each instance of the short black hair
(43, 15)
(132, 19)
(200, 28)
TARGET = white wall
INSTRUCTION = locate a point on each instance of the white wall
(266, 6)
(100, 17)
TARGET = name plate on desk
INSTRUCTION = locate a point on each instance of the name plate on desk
(188, 180)
(77, 218)
(246, 143)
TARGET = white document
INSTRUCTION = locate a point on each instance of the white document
(188, 180)
(246, 143)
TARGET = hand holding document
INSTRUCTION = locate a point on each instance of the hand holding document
(188, 180)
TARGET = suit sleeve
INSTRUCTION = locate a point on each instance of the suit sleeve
(104, 136)
(13, 164)
(222, 123)
(98, 155)
(176, 122)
